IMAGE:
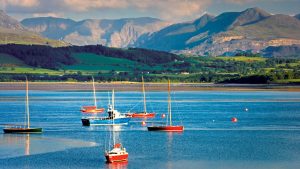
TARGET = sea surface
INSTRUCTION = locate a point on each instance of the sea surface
(265, 136)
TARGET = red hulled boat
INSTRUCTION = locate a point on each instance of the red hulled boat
(168, 127)
(117, 154)
(143, 114)
(92, 109)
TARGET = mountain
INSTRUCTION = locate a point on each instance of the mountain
(12, 31)
(114, 33)
(279, 51)
(252, 29)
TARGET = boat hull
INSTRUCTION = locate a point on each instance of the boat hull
(141, 115)
(23, 130)
(93, 111)
(104, 121)
(166, 128)
(116, 158)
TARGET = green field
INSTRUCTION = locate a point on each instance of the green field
(242, 58)
(97, 63)
(7, 60)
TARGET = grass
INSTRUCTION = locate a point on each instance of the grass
(242, 58)
(30, 70)
(8, 60)
(96, 63)
(288, 81)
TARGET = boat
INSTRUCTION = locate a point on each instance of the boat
(118, 152)
(143, 114)
(26, 128)
(114, 117)
(169, 127)
(92, 109)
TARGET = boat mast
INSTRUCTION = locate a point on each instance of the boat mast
(27, 104)
(113, 106)
(113, 99)
(169, 103)
(145, 108)
(94, 91)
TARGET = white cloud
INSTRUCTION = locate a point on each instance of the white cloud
(57, 15)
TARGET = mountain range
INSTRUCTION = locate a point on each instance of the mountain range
(114, 33)
(12, 31)
(250, 30)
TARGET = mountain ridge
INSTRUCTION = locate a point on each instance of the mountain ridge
(110, 32)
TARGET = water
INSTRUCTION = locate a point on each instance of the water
(265, 136)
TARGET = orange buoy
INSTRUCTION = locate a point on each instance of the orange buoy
(163, 116)
(143, 123)
(234, 120)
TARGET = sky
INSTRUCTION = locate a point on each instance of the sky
(170, 10)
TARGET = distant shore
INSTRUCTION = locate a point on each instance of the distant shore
(136, 86)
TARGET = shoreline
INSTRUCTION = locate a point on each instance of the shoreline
(136, 86)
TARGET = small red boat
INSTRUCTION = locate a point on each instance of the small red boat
(117, 154)
(92, 109)
(143, 114)
(168, 127)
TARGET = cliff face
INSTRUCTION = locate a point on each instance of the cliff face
(114, 33)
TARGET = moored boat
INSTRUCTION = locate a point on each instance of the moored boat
(26, 128)
(117, 154)
(168, 127)
(143, 114)
(114, 117)
(92, 109)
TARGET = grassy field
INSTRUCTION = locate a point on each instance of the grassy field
(30, 70)
(7, 60)
(242, 58)
(96, 63)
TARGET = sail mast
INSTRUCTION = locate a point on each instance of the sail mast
(169, 103)
(113, 99)
(113, 109)
(27, 104)
(145, 108)
(94, 91)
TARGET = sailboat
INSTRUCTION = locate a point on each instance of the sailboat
(143, 114)
(118, 152)
(26, 128)
(169, 126)
(114, 117)
(92, 109)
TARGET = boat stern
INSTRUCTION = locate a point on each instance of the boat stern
(85, 122)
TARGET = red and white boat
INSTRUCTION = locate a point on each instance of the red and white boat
(92, 109)
(143, 114)
(168, 127)
(117, 154)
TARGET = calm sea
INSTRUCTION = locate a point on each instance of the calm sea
(265, 136)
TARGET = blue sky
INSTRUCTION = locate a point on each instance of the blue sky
(171, 10)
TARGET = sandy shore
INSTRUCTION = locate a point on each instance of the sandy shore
(132, 86)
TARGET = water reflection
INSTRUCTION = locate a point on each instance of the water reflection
(117, 165)
(20, 142)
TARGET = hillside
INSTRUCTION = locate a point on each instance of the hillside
(11, 31)
(252, 29)
(114, 33)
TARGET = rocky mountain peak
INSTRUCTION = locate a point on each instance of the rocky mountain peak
(9, 22)
(249, 16)
(203, 20)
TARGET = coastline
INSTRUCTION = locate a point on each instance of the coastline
(136, 86)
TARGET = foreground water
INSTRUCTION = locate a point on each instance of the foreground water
(265, 136)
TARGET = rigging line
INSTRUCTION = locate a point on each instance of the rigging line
(134, 106)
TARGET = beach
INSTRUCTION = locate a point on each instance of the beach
(136, 86)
